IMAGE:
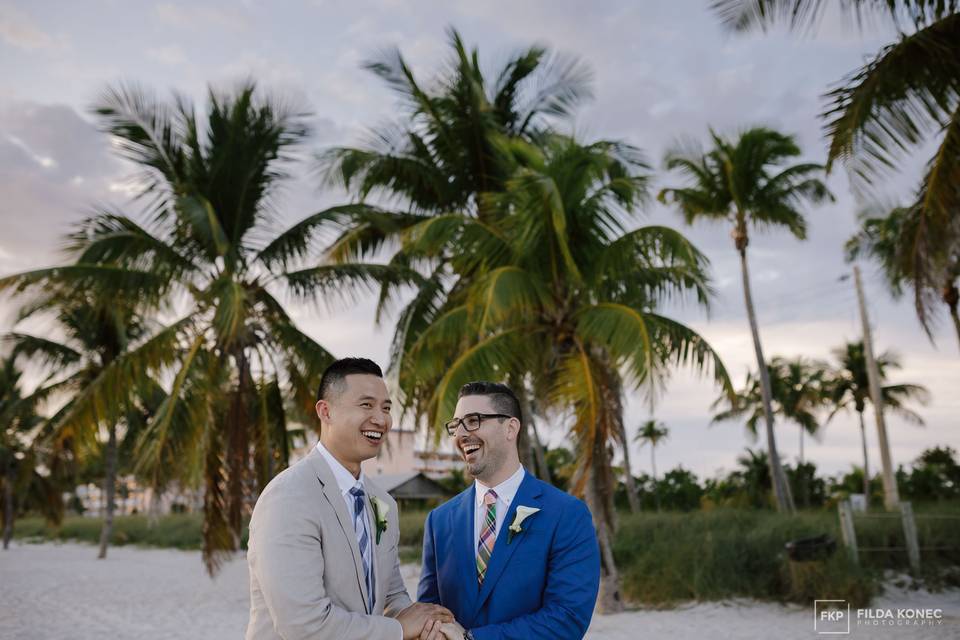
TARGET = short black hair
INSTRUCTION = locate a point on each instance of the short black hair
(334, 377)
(503, 398)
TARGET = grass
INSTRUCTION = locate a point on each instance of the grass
(665, 558)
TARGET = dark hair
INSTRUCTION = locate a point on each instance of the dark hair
(503, 399)
(334, 377)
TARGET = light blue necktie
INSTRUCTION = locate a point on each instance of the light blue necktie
(363, 540)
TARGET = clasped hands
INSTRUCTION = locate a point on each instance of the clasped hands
(424, 621)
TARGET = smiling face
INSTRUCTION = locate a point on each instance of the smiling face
(355, 418)
(491, 451)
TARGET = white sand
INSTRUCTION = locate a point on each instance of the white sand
(54, 592)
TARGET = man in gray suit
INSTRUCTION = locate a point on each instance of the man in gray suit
(323, 537)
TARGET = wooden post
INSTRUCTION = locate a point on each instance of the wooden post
(848, 530)
(891, 495)
(910, 533)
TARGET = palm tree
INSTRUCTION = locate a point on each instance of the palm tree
(797, 392)
(652, 432)
(754, 474)
(95, 334)
(23, 449)
(745, 183)
(208, 251)
(459, 137)
(561, 293)
(849, 388)
(888, 240)
(885, 109)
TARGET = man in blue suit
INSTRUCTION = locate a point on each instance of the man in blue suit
(512, 557)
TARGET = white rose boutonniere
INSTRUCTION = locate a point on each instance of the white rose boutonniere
(380, 510)
(522, 514)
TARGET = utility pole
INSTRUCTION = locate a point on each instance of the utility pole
(891, 496)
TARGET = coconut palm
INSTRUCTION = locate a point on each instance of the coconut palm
(652, 432)
(797, 393)
(560, 292)
(887, 239)
(87, 337)
(849, 389)
(745, 182)
(24, 448)
(206, 251)
(459, 137)
(886, 109)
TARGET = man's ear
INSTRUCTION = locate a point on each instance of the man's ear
(323, 410)
(513, 429)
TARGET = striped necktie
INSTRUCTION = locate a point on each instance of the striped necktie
(488, 534)
(363, 541)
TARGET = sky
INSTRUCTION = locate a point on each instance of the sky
(663, 71)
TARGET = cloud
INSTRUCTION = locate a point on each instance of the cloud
(54, 166)
(202, 17)
(170, 55)
(18, 30)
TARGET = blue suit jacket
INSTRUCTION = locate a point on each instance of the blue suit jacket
(542, 584)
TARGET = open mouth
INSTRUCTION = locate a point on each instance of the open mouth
(470, 450)
(373, 437)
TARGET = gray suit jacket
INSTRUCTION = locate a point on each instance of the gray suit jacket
(306, 573)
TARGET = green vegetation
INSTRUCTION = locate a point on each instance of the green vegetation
(665, 558)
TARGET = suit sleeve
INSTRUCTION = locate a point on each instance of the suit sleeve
(286, 559)
(573, 580)
(428, 590)
(396, 599)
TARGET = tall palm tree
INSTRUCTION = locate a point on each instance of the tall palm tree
(849, 388)
(882, 111)
(560, 291)
(23, 449)
(653, 433)
(458, 138)
(746, 183)
(206, 251)
(888, 238)
(94, 334)
(797, 393)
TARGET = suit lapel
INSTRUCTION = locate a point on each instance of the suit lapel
(331, 491)
(528, 495)
(461, 528)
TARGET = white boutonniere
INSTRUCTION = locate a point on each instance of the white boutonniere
(522, 514)
(380, 510)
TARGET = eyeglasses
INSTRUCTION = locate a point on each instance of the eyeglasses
(471, 421)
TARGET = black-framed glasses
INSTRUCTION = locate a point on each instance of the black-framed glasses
(471, 421)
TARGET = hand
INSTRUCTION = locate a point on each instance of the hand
(453, 630)
(431, 631)
(414, 618)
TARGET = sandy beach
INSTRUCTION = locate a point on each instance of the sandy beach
(62, 592)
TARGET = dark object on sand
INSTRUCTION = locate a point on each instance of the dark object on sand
(815, 548)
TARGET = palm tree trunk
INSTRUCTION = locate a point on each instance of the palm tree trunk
(801, 444)
(109, 489)
(10, 476)
(524, 441)
(538, 451)
(951, 296)
(781, 487)
(866, 461)
(631, 486)
(239, 448)
(598, 496)
(653, 467)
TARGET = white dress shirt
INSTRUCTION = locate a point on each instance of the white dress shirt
(506, 491)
